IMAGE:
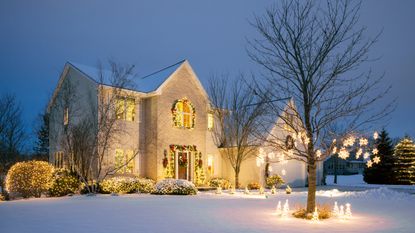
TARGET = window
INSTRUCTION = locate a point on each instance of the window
(183, 114)
(59, 159)
(66, 116)
(125, 108)
(210, 121)
(124, 160)
(210, 164)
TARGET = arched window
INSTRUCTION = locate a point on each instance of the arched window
(183, 114)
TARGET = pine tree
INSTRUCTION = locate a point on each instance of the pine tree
(42, 144)
(381, 173)
(405, 162)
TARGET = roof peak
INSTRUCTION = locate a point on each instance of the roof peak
(165, 68)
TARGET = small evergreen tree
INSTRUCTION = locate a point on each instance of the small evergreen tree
(381, 173)
(42, 144)
(405, 162)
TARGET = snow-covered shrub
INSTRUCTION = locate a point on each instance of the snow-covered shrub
(64, 183)
(123, 184)
(254, 185)
(175, 187)
(29, 179)
(145, 185)
(274, 180)
(219, 182)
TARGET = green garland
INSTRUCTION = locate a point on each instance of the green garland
(199, 171)
(169, 171)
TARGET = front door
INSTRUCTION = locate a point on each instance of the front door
(183, 162)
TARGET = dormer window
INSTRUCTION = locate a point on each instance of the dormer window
(183, 114)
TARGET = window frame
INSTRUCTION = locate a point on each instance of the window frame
(122, 111)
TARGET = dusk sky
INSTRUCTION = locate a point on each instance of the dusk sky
(38, 37)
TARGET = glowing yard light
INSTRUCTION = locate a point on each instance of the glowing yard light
(279, 210)
(375, 151)
(375, 135)
(369, 163)
(246, 190)
(219, 190)
(315, 215)
(336, 209)
(273, 190)
(376, 159)
(283, 172)
(261, 191)
(348, 212)
(232, 190)
(341, 212)
(270, 168)
(286, 209)
(366, 155)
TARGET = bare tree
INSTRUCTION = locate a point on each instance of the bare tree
(93, 131)
(314, 53)
(12, 134)
(237, 110)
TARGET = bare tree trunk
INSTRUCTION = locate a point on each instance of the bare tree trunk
(237, 170)
(312, 182)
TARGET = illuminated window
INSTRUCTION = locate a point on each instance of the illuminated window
(130, 109)
(124, 161)
(66, 116)
(210, 164)
(210, 121)
(125, 108)
(183, 114)
(59, 159)
(119, 108)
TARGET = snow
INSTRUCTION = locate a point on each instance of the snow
(355, 182)
(374, 210)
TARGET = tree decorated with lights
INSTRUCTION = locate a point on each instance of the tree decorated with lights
(405, 162)
(382, 173)
(311, 53)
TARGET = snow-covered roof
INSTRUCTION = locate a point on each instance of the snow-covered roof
(146, 84)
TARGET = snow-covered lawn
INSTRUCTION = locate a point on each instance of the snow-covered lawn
(356, 181)
(374, 210)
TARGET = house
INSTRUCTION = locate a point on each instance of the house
(167, 119)
(334, 165)
(274, 160)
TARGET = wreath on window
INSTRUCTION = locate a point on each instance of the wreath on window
(177, 117)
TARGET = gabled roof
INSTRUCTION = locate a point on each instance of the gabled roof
(149, 84)
(146, 84)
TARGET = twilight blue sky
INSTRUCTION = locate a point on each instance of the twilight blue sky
(38, 37)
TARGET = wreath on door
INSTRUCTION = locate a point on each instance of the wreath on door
(183, 160)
